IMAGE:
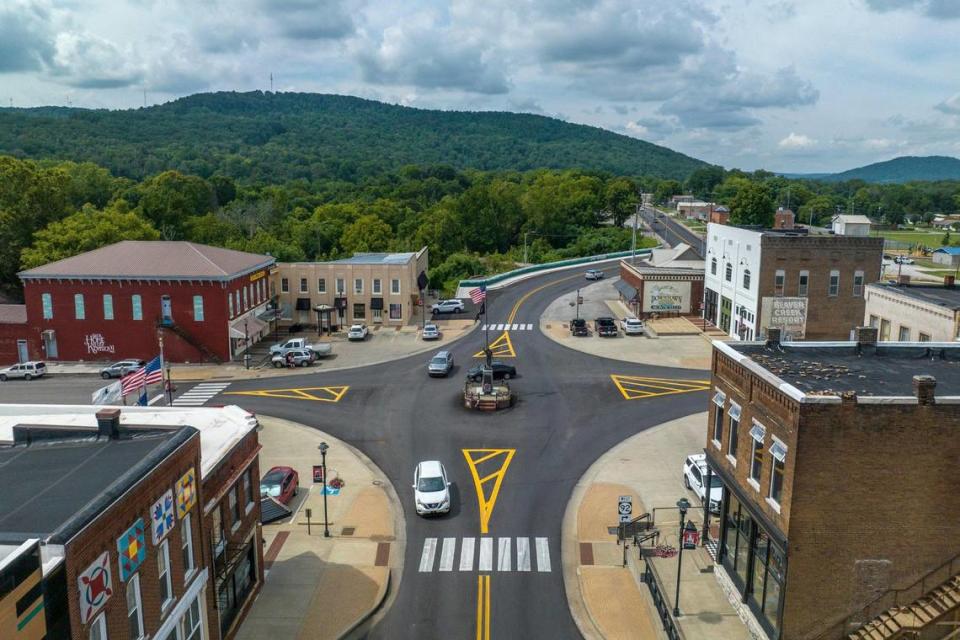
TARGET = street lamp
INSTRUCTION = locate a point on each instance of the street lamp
(682, 504)
(323, 463)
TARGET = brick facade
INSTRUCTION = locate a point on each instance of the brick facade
(640, 278)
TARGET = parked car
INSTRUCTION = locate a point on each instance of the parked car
(280, 483)
(357, 332)
(120, 369)
(430, 332)
(440, 364)
(501, 371)
(448, 306)
(320, 348)
(903, 260)
(633, 326)
(594, 274)
(25, 370)
(431, 489)
(695, 479)
(578, 327)
(297, 357)
(606, 327)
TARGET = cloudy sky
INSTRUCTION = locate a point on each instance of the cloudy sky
(788, 85)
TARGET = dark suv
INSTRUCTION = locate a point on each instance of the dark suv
(606, 327)
(578, 327)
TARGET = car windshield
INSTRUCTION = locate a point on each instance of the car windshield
(431, 484)
(438, 360)
(268, 489)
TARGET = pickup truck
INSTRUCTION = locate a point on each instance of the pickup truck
(320, 349)
(606, 327)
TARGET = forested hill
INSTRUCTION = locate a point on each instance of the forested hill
(905, 169)
(275, 137)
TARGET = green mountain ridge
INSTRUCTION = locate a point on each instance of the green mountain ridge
(896, 171)
(277, 137)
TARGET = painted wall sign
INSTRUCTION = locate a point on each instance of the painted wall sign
(132, 549)
(666, 297)
(787, 314)
(161, 516)
(95, 587)
(96, 343)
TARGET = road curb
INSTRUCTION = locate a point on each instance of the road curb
(359, 622)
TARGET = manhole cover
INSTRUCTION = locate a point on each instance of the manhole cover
(348, 531)
(377, 483)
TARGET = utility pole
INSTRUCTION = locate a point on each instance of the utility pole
(633, 248)
(271, 82)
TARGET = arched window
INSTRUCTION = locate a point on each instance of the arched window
(746, 278)
(729, 274)
(713, 267)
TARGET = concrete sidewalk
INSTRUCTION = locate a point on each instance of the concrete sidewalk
(608, 600)
(319, 587)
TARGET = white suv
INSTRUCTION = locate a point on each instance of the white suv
(632, 327)
(431, 489)
(448, 306)
(695, 479)
(25, 370)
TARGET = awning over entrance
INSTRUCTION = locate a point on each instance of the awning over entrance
(252, 328)
(376, 304)
(625, 290)
(303, 304)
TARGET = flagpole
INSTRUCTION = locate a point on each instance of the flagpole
(164, 382)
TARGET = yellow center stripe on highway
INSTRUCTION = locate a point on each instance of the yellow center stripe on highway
(637, 387)
(476, 457)
(317, 394)
(523, 298)
(483, 607)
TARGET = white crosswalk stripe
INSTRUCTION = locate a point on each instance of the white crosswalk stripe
(200, 394)
(494, 554)
(516, 326)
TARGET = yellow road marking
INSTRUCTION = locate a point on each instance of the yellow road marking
(486, 622)
(317, 394)
(523, 298)
(502, 347)
(479, 607)
(483, 607)
(637, 387)
(487, 502)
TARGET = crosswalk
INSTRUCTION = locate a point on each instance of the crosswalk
(508, 327)
(200, 394)
(509, 556)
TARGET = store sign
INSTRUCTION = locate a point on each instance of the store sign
(96, 343)
(662, 297)
(691, 536)
(256, 276)
(787, 314)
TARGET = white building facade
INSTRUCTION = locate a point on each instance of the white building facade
(732, 281)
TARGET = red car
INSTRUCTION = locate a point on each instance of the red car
(280, 483)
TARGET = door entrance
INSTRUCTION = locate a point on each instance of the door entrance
(50, 344)
(23, 353)
(166, 311)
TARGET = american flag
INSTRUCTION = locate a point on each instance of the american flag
(478, 294)
(149, 374)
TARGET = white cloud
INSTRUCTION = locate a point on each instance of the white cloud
(796, 141)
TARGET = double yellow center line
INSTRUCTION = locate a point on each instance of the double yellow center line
(483, 607)
(523, 298)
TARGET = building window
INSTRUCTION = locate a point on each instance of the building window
(734, 430)
(395, 286)
(284, 285)
(718, 400)
(186, 542)
(236, 302)
(191, 623)
(359, 311)
(834, 289)
(923, 337)
(803, 284)
(358, 286)
(874, 321)
(779, 453)
(377, 315)
(322, 285)
(246, 301)
(729, 272)
(395, 312)
(778, 279)
(904, 334)
(757, 433)
(857, 283)
(134, 609)
(163, 574)
(341, 286)
(234, 507)
(217, 535)
(198, 308)
(746, 278)
(248, 489)
(98, 628)
(78, 311)
(884, 330)
(713, 266)
(303, 285)
(136, 304)
(377, 288)
(230, 304)
(47, 301)
(107, 306)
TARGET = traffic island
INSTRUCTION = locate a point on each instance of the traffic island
(481, 397)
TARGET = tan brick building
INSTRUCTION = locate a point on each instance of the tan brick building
(838, 463)
(917, 312)
(371, 288)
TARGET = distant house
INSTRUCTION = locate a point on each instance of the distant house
(850, 225)
(720, 215)
(949, 256)
(948, 222)
(695, 210)
(675, 200)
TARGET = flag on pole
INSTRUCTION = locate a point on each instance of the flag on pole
(109, 394)
(478, 294)
(149, 374)
(483, 310)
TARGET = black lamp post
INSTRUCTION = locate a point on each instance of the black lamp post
(682, 504)
(323, 463)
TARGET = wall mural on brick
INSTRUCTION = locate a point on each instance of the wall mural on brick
(95, 587)
(132, 549)
(161, 516)
(186, 493)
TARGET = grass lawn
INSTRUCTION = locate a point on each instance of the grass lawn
(927, 238)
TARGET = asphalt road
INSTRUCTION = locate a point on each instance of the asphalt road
(53, 389)
(569, 412)
(672, 232)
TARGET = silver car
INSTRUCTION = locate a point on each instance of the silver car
(120, 369)
(440, 364)
(25, 370)
(295, 357)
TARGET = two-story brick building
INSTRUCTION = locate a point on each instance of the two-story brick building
(838, 462)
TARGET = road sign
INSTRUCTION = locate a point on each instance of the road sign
(625, 508)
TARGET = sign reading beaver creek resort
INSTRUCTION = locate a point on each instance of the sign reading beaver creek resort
(787, 314)
(666, 297)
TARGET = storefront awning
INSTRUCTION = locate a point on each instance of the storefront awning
(376, 304)
(625, 290)
(303, 304)
(249, 326)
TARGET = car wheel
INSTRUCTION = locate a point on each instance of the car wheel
(304, 363)
(3, 378)
(506, 376)
(277, 365)
(27, 377)
(686, 482)
(105, 375)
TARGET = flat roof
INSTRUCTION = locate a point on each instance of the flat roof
(377, 258)
(834, 368)
(934, 294)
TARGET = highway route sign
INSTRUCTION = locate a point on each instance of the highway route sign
(625, 508)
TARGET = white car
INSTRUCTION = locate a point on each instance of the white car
(431, 489)
(903, 260)
(25, 370)
(357, 332)
(448, 306)
(430, 332)
(594, 274)
(695, 479)
(632, 326)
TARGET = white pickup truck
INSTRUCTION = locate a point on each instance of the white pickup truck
(320, 349)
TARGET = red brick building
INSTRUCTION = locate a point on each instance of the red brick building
(660, 291)
(116, 301)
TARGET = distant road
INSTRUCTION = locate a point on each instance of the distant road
(672, 232)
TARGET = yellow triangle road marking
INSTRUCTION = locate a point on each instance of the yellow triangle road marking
(502, 347)
(317, 394)
(637, 387)
(488, 487)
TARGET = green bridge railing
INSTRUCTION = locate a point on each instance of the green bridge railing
(500, 277)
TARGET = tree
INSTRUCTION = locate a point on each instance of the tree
(703, 181)
(86, 230)
(621, 199)
(368, 233)
(169, 198)
(752, 205)
(945, 240)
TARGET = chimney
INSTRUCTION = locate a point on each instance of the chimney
(773, 336)
(923, 388)
(866, 336)
(108, 423)
(948, 282)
